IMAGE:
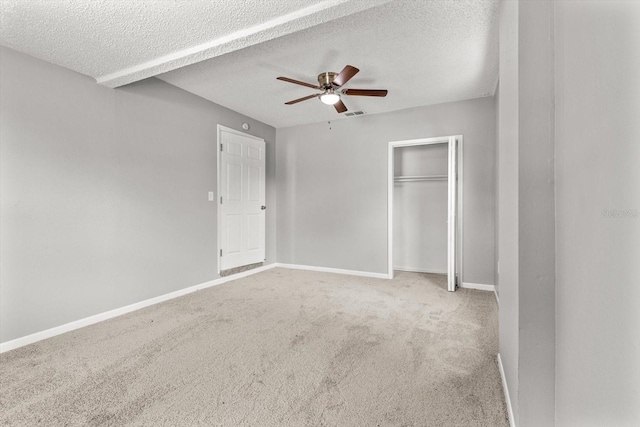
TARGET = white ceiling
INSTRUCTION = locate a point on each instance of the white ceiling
(231, 51)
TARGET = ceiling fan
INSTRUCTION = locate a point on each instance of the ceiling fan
(331, 86)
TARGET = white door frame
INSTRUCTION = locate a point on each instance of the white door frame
(219, 189)
(453, 247)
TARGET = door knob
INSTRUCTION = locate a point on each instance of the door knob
(263, 207)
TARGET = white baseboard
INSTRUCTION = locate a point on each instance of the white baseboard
(77, 324)
(512, 422)
(334, 270)
(478, 286)
(495, 292)
(418, 270)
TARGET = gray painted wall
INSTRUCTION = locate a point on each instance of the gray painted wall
(508, 198)
(536, 214)
(332, 186)
(527, 209)
(104, 193)
(598, 218)
(420, 209)
(569, 338)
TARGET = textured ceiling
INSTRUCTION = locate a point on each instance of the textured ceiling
(423, 52)
(121, 41)
(230, 52)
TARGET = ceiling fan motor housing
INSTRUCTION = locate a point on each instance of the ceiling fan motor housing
(326, 79)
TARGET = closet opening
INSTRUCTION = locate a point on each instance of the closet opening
(425, 189)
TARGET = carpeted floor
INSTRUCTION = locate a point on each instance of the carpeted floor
(279, 348)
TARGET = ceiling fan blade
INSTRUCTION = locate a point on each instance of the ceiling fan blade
(295, 101)
(298, 82)
(340, 107)
(365, 92)
(345, 75)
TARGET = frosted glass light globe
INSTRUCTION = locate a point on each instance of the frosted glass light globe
(330, 98)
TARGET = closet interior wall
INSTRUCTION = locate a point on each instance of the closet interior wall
(420, 208)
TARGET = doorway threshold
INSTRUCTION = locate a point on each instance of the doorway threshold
(240, 269)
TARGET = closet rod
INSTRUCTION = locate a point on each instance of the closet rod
(420, 178)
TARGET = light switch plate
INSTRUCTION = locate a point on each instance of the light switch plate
(211, 196)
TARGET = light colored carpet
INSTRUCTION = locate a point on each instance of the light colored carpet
(279, 348)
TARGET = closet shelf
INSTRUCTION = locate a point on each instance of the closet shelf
(408, 178)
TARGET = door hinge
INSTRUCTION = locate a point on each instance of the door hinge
(220, 199)
(221, 147)
(220, 252)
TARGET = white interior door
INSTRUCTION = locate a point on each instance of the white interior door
(242, 206)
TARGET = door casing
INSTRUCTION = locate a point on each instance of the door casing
(456, 194)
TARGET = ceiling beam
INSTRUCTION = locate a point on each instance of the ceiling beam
(299, 20)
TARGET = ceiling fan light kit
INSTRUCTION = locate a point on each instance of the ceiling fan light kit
(329, 97)
(330, 84)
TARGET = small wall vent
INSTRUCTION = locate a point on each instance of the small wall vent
(355, 113)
